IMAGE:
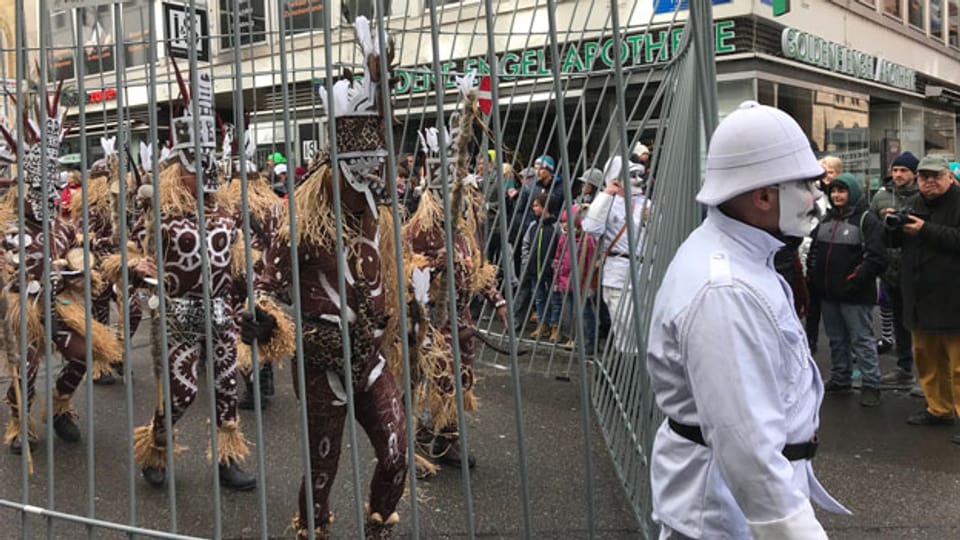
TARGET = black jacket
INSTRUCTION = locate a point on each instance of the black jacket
(847, 256)
(930, 265)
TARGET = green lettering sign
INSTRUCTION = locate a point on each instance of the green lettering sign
(648, 47)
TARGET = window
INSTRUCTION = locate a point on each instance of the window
(871, 3)
(302, 16)
(892, 7)
(939, 135)
(936, 19)
(953, 18)
(136, 32)
(62, 46)
(915, 15)
(253, 22)
(96, 38)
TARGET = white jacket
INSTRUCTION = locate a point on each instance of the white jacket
(726, 352)
(604, 220)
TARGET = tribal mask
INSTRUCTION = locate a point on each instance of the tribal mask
(187, 131)
(361, 144)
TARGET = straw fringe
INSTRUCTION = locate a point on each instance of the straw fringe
(107, 349)
(429, 214)
(149, 454)
(232, 446)
(34, 321)
(260, 198)
(99, 201)
(280, 347)
(176, 199)
(13, 430)
(316, 222)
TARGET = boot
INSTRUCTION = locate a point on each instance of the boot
(540, 330)
(106, 379)
(65, 425)
(12, 435)
(246, 401)
(155, 476)
(449, 452)
(554, 333)
(233, 477)
(266, 380)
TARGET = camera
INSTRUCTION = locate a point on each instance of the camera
(899, 218)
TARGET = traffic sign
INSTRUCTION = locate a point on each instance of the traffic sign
(484, 97)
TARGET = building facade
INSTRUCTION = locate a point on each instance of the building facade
(866, 79)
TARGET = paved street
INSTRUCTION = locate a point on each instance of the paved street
(901, 481)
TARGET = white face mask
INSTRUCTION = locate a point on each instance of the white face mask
(798, 207)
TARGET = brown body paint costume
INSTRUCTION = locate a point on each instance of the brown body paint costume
(67, 317)
(182, 274)
(378, 403)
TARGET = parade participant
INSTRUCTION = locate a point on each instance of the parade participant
(182, 272)
(104, 234)
(265, 210)
(426, 254)
(606, 219)
(68, 318)
(362, 155)
(726, 352)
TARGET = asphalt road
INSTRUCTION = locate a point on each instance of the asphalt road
(900, 481)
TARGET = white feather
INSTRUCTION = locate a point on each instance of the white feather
(466, 83)
(146, 155)
(421, 285)
(611, 171)
(433, 143)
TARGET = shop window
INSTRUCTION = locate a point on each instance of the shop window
(730, 94)
(939, 134)
(911, 130)
(766, 93)
(936, 19)
(302, 16)
(893, 8)
(915, 13)
(953, 19)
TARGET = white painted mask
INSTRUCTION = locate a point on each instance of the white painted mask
(798, 207)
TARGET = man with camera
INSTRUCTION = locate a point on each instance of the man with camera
(929, 234)
(895, 194)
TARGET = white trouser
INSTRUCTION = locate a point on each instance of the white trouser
(620, 304)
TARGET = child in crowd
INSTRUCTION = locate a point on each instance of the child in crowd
(586, 245)
(539, 244)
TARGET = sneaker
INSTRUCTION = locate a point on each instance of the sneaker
(870, 397)
(884, 346)
(916, 391)
(897, 377)
(924, 418)
(955, 439)
(833, 387)
(66, 427)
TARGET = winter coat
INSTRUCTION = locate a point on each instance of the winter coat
(563, 263)
(931, 265)
(891, 196)
(847, 255)
(539, 246)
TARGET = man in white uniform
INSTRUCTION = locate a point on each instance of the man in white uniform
(727, 355)
(606, 220)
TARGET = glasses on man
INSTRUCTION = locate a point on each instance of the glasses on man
(930, 177)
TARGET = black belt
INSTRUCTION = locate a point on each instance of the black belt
(793, 452)
(625, 256)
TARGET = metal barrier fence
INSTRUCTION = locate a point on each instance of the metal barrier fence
(401, 289)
